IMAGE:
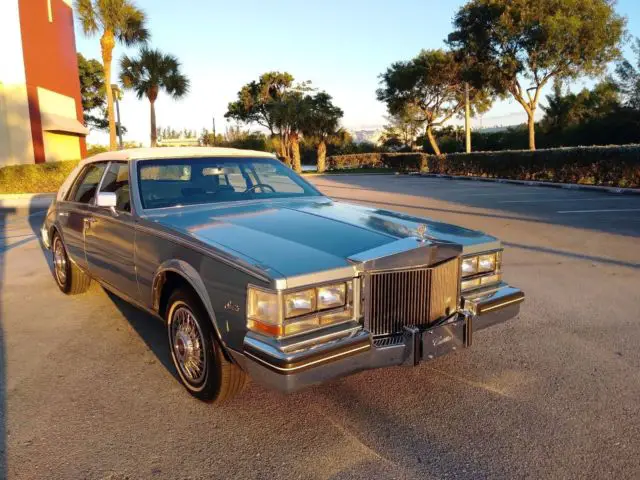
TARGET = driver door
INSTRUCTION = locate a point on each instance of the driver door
(110, 235)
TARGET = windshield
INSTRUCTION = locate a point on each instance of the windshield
(191, 181)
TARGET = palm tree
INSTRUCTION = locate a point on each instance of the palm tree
(321, 123)
(114, 20)
(150, 72)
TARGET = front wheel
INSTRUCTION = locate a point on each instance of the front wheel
(196, 354)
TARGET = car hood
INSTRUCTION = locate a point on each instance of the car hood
(300, 236)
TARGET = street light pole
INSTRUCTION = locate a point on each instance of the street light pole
(116, 96)
(213, 142)
(467, 119)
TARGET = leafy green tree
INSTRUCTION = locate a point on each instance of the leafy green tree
(113, 20)
(430, 88)
(402, 129)
(566, 110)
(275, 103)
(92, 93)
(258, 102)
(518, 46)
(629, 79)
(321, 122)
(149, 73)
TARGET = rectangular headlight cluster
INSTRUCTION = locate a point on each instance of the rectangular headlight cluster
(286, 314)
(480, 270)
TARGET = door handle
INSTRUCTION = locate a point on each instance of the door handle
(88, 221)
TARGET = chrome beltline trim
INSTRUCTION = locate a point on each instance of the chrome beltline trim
(232, 262)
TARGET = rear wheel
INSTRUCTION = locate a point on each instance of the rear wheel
(69, 278)
(196, 354)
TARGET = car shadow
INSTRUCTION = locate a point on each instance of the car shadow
(5, 216)
(149, 328)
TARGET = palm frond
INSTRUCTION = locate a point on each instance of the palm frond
(87, 17)
(132, 26)
(152, 70)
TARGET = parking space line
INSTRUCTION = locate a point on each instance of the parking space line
(566, 199)
(506, 193)
(601, 211)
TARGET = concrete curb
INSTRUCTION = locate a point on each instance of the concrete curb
(26, 200)
(531, 183)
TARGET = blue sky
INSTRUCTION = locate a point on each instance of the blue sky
(341, 46)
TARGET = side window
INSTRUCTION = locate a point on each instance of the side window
(87, 183)
(116, 181)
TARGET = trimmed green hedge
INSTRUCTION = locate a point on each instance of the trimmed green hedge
(617, 166)
(35, 177)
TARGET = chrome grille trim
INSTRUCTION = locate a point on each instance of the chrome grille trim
(416, 297)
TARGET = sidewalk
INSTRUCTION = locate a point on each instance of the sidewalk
(26, 200)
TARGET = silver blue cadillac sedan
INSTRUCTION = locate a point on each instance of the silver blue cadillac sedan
(257, 274)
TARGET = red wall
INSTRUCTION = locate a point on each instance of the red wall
(50, 61)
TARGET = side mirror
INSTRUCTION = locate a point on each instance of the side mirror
(108, 200)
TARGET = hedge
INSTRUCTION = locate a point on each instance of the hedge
(35, 177)
(617, 166)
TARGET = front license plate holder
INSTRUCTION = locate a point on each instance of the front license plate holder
(443, 339)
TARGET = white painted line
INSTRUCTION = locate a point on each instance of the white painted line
(509, 194)
(566, 199)
(599, 211)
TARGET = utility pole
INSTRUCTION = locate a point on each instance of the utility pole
(467, 119)
(214, 130)
(117, 93)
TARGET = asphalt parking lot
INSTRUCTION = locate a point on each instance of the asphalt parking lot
(87, 390)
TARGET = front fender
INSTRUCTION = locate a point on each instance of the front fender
(192, 277)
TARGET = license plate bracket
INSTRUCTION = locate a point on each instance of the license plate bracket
(443, 339)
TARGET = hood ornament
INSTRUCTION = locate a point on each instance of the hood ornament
(421, 233)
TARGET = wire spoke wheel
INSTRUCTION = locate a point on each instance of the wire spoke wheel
(60, 262)
(187, 343)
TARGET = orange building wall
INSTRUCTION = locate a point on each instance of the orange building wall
(50, 61)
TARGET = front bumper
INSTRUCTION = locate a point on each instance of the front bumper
(350, 349)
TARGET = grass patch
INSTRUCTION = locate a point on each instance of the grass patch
(34, 178)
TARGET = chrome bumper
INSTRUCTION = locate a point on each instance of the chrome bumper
(349, 349)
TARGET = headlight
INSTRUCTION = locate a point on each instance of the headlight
(469, 266)
(300, 303)
(481, 270)
(487, 263)
(300, 311)
(332, 296)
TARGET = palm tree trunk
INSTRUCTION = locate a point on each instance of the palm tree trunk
(152, 95)
(154, 131)
(107, 42)
(432, 140)
(322, 156)
(284, 149)
(295, 151)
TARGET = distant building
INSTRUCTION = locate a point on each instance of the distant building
(368, 136)
(40, 105)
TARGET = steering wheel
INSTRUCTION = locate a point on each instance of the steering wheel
(260, 185)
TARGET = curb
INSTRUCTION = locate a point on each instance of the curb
(26, 200)
(532, 183)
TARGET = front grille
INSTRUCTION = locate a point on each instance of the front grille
(417, 297)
